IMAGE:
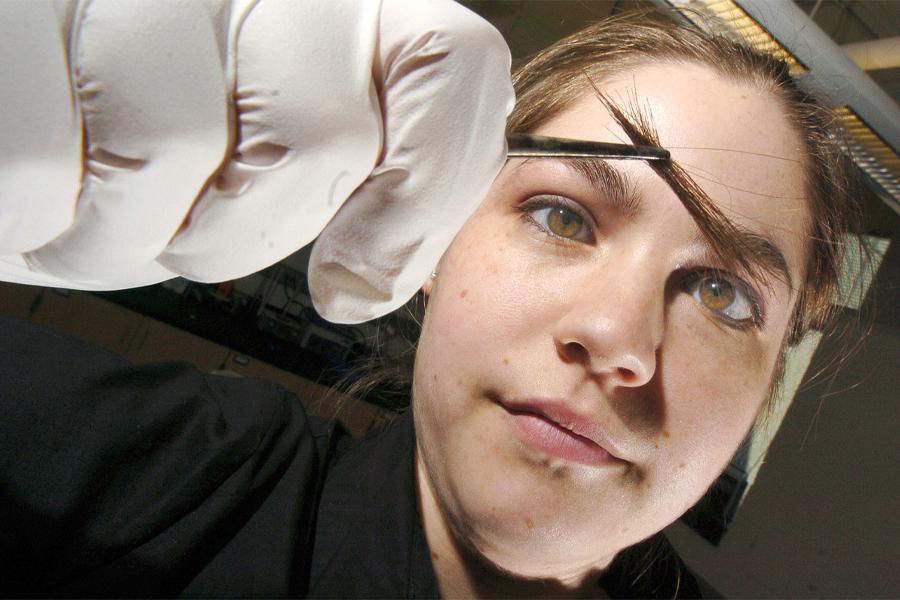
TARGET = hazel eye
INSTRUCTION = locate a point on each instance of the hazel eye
(563, 222)
(726, 298)
(553, 215)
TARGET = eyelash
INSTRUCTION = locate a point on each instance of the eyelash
(528, 207)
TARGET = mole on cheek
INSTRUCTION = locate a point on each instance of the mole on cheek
(463, 293)
(505, 361)
(529, 523)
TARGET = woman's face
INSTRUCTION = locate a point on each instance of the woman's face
(578, 313)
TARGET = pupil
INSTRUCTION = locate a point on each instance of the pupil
(717, 294)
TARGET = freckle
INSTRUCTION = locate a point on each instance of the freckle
(434, 555)
(459, 382)
(681, 465)
(665, 433)
(529, 523)
(463, 293)
(624, 530)
(505, 361)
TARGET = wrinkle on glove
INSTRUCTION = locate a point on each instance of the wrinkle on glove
(308, 137)
(446, 93)
(40, 149)
(220, 137)
(156, 126)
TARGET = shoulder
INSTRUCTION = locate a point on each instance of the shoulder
(112, 470)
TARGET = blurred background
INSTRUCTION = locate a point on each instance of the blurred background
(809, 506)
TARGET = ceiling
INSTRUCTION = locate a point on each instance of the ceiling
(849, 21)
(530, 25)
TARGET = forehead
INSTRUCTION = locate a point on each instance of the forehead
(733, 138)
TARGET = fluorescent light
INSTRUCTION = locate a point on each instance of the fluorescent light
(725, 17)
(870, 153)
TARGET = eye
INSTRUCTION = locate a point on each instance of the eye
(726, 297)
(559, 217)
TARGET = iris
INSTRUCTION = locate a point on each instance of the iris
(564, 222)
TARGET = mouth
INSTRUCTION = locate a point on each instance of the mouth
(553, 428)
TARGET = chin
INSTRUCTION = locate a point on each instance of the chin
(543, 561)
(538, 547)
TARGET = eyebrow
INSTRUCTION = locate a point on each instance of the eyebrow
(616, 185)
(764, 252)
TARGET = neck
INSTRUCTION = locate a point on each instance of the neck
(463, 573)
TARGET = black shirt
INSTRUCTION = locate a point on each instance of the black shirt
(123, 480)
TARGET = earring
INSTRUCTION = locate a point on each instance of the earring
(434, 274)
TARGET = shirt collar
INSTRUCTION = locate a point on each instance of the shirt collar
(369, 540)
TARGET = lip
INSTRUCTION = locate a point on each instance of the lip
(552, 427)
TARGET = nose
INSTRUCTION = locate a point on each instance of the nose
(614, 329)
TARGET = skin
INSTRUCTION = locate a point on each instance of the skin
(606, 324)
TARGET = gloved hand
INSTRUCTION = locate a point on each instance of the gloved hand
(144, 140)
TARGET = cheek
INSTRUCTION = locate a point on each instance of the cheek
(713, 384)
(460, 316)
(486, 288)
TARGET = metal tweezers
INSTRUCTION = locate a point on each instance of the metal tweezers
(538, 146)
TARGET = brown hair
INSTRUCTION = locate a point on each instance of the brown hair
(555, 77)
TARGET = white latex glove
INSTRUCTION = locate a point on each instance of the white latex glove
(147, 139)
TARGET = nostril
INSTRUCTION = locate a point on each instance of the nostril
(626, 375)
(576, 352)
